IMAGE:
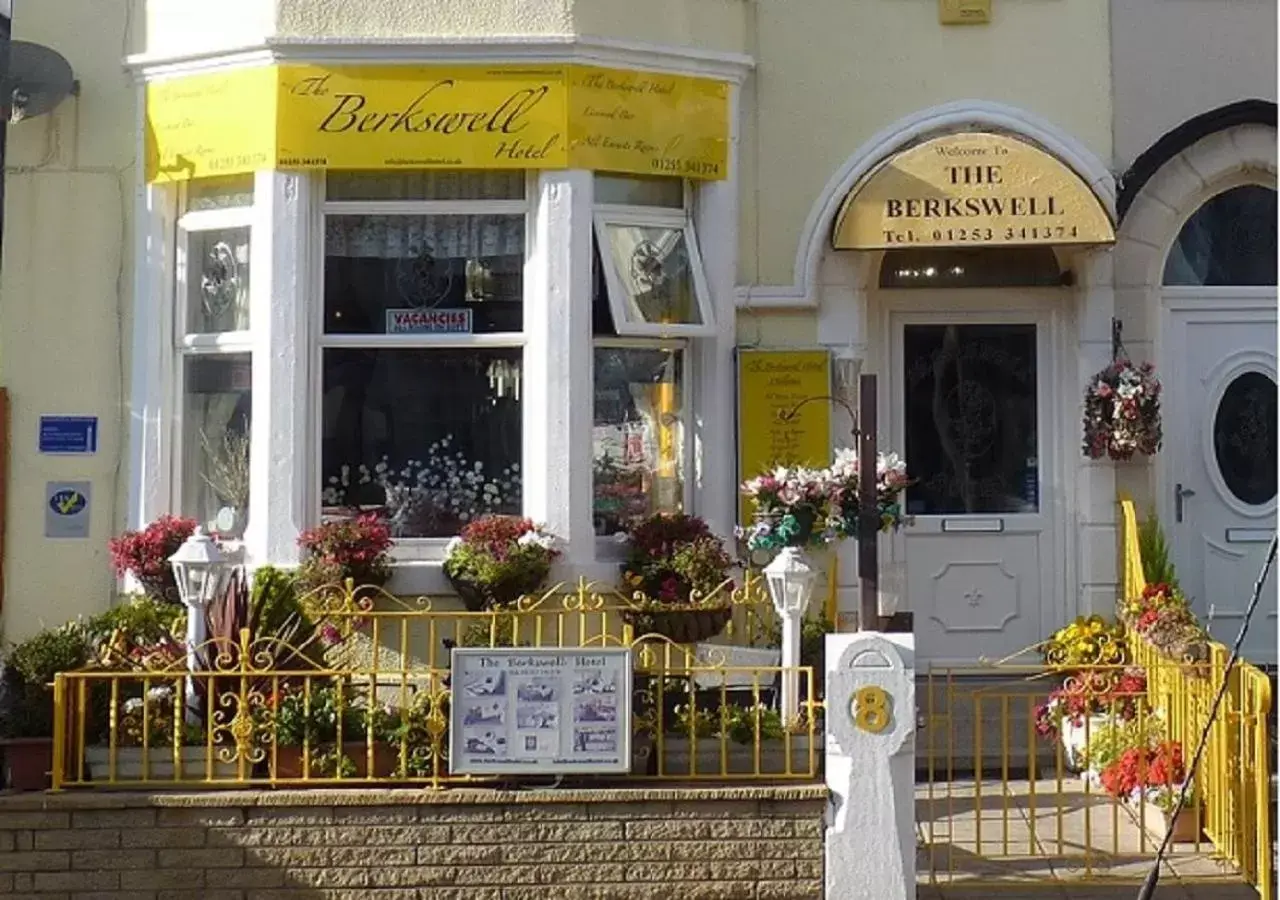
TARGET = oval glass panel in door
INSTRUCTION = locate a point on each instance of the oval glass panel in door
(1244, 438)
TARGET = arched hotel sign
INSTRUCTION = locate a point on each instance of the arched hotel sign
(972, 189)
(436, 117)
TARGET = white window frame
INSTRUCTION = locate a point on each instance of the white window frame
(410, 549)
(187, 345)
(619, 299)
(648, 336)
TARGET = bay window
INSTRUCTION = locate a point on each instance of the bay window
(421, 347)
(212, 267)
(649, 298)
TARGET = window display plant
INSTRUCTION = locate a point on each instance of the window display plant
(498, 559)
(351, 548)
(145, 554)
(1122, 412)
(26, 701)
(680, 575)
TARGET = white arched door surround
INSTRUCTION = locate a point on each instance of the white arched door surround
(839, 285)
(1202, 339)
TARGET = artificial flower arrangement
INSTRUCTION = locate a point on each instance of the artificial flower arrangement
(1163, 618)
(435, 496)
(145, 554)
(680, 577)
(498, 559)
(1122, 412)
(347, 548)
(811, 508)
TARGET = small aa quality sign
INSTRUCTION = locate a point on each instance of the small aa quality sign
(66, 509)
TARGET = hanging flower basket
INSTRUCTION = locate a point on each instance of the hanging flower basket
(1122, 412)
(688, 625)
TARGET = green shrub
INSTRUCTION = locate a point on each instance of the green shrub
(1157, 566)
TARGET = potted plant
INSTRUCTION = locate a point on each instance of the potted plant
(1155, 775)
(680, 575)
(145, 554)
(1122, 412)
(309, 719)
(26, 702)
(736, 739)
(1161, 616)
(1085, 705)
(355, 549)
(499, 559)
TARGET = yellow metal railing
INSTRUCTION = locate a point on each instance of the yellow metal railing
(1234, 779)
(366, 697)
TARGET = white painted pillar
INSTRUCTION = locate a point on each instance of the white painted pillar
(280, 468)
(558, 373)
(870, 767)
(150, 416)
(1096, 513)
(713, 394)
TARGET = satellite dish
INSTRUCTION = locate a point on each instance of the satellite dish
(36, 79)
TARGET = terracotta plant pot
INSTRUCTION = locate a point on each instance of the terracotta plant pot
(386, 762)
(1186, 827)
(687, 625)
(478, 597)
(27, 763)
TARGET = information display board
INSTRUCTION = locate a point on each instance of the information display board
(535, 711)
(784, 416)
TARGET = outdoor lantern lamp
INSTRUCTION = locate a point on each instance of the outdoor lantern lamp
(791, 579)
(202, 571)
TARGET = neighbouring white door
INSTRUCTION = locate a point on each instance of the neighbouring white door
(970, 406)
(1220, 475)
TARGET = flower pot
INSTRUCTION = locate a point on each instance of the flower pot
(478, 597)
(680, 625)
(27, 762)
(386, 761)
(159, 765)
(1075, 737)
(1186, 827)
(712, 757)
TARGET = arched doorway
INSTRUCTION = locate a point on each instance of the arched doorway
(1218, 346)
(964, 269)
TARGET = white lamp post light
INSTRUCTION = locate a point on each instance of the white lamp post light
(791, 579)
(202, 571)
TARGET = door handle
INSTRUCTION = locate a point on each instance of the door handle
(1179, 495)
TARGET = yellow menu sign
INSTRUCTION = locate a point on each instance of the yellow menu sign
(453, 117)
(973, 189)
(774, 429)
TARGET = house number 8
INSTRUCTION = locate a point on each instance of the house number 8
(871, 709)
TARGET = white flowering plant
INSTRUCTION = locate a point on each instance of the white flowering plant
(498, 559)
(803, 507)
(1122, 412)
(434, 496)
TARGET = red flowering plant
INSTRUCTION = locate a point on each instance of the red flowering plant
(145, 554)
(347, 548)
(1122, 412)
(498, 559)
(673, 559)
(1155, 774)
(1092, 693)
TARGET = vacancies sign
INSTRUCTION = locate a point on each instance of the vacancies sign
(423, 117)
(973, 189)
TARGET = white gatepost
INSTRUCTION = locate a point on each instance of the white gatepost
(870, 766)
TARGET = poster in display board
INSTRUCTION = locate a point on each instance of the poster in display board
(538, 711)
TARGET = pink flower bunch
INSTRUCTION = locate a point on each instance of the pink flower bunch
(1122, 412)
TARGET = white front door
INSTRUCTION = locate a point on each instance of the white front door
(970, 405)
(1219, 481)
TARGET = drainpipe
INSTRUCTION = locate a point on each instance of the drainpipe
(6, 33)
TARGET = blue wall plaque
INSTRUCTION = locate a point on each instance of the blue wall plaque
(68, 434)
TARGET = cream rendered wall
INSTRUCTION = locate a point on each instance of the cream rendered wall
(64, 286)
(178, 27)
(831, 73)
(1175, 59)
